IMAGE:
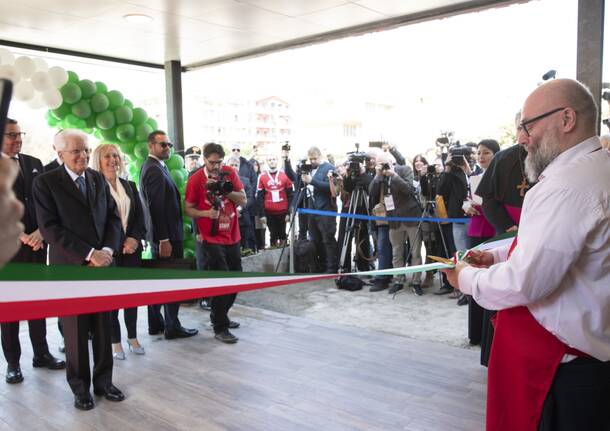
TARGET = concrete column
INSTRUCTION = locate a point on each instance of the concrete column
(173, 89)
(590, 46)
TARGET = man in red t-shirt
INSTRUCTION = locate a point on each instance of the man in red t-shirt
(273, 196)
(215, 210)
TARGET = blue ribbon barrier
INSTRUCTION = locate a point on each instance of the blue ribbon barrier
(368, 217)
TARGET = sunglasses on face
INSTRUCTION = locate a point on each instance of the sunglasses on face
(166, 144)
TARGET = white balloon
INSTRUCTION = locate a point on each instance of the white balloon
(25, 66)
(41, 64)
(24, 91)
(8, 71)
(52, 98)
(41, 80)
(6, 57)
(58, 76)
(36, 102)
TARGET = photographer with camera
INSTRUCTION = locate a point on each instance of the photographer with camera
(273, 194)
(314, 176)
(212, 197)
(356, 179)
(298, 199)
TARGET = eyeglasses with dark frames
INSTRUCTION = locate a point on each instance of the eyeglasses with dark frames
(212, 162)
(15, 135)
(523, 125)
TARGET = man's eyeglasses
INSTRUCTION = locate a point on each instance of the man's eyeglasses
(525, 123)
(77, 152)
(166, 144)
(212, 162)
(15, 135)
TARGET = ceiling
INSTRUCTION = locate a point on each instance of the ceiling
(200, 32)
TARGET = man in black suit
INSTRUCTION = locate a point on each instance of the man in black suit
(78, 218)
(33, 250)
(164, 222)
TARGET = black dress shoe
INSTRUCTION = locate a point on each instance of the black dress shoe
(49, 361)
(233, 324)
(111, 393)
(226, 337)
(13, 374)
(180, 333)
(444, 290)
(155, 331)
(83, 402)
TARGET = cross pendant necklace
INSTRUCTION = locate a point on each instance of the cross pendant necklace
(522, 187)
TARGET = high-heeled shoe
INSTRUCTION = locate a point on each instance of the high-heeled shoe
(119, 355)
(136, 350)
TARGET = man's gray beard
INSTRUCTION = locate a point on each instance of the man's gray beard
(536, 162)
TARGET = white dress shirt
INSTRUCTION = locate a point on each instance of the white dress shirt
(560, 268)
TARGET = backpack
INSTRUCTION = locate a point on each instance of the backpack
(349, 282)
(305, 257)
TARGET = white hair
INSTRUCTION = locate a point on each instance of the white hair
(61, 139)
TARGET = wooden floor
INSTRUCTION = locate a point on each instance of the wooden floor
(286, 373)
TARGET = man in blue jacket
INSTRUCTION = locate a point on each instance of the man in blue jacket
(321, 228)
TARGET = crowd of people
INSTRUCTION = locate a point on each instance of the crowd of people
(81, 210)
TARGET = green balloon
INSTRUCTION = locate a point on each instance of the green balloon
(61, 112)
(100, 102)
(178, 176)
(128, 103)
(51, 119)
(72, 77)
(189, 253)
(142, 132)
(139, 164)
(126, 148)
(98, 134)
(141, 150)
(175, 162)
(125, 132)
(82, 109)
(189, 243)
(116, 99)
(101, 87)
(139, 116)
(109, 135)
(91, 124)
(105, 120)
(87, 87)
(123, 115)
(152, 123)
(72, 121)
(71, 93)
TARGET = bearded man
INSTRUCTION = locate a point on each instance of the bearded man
(550, 359)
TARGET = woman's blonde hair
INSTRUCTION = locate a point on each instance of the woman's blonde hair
(98, 154)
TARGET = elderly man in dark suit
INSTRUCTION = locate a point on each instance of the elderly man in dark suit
(164, 216)
(33, 250)
(77, 217)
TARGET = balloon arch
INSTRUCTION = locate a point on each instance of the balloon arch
(75, 103)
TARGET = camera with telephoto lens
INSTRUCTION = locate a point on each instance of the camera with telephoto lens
(286, 146)
(459, 153)
(385, 167)
(222, 186)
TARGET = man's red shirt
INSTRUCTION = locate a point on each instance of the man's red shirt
(228, 222)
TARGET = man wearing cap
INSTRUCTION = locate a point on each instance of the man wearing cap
(192, 159)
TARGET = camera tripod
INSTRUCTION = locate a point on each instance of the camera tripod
(303, 193)
(359, 197)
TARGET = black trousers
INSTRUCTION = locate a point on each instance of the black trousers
(277, 227)
(222, 258)
(157, 322)
(579, 397)
(361, 239)
(475, 311)
(76, 333)
(38, 328)
(322, 230)
(130, 315)
(303, 226)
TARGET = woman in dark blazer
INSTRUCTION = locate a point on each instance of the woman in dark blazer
(108, 160)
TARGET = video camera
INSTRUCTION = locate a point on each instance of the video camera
(458, 152)
(286, 146)
(304, 167)
(354, 160)
(220, 187)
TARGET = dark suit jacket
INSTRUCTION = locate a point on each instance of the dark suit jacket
(136, 227)
(162, 202)
(30, 168)
(52, 165)
(322, 200)
(71, 225)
